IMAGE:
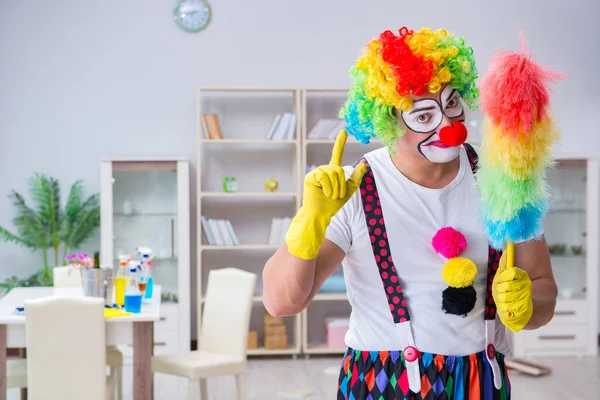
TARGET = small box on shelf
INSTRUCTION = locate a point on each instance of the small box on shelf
(335, 332)
(252, 340)
(276, 342)
(274, 333)
(270, 320)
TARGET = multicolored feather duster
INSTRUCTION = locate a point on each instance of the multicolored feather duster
(518, 135)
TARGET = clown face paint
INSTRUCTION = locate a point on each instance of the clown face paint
(429, 116)
(436, 151)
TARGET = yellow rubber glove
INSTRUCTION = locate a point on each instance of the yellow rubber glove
(325, 192)
(511, 289)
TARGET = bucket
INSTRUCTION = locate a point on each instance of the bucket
(98, 282)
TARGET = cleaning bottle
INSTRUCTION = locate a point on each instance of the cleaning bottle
(133, 295)
(146, 256)
(121, 279)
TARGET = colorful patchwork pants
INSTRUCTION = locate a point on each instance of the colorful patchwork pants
(381, 375)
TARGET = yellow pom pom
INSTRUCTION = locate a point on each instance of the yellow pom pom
(459, 272)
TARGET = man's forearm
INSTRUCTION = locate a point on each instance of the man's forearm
(543, 295)
(287, 282)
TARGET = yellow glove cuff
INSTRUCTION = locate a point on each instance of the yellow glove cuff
(306, 234)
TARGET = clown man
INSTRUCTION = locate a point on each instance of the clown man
(431, 299)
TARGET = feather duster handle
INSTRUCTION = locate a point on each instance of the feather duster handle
(518, 135)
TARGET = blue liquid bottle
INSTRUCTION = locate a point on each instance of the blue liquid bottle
(133, 295)
(149, 287)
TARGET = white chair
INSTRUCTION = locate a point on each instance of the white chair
(66, 277)
(66, 349)
(223, 339)
(16, 373)
(71, 277)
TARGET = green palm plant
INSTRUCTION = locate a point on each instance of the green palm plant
(47, 225)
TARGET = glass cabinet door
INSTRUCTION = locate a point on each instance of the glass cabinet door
(145, 215)
(566, 226)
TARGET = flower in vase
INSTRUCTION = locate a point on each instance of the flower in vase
(77, 259)
(87, 262)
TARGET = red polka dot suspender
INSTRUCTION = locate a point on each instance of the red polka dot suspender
(381, 247)
(383, 257)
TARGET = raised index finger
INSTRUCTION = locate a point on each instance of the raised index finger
(338, 148)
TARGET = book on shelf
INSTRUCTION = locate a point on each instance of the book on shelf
(326, 129)
(283, 127)
(219, 232)
(211, 126)
(279, 227)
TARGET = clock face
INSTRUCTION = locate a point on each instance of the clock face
(192, 15)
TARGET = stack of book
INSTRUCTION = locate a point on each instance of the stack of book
(283, 127)
(279, 227)
(219, 232)
(325, 129)
(275, 333)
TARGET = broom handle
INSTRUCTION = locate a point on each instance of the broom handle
(510, 254)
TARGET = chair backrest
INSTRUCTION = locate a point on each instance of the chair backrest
(66, 348)
(226, 312)
(66, 277)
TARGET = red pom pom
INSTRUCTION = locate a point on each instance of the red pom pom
(454, 135)
(449, 242)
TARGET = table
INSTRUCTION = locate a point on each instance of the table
(137, 329)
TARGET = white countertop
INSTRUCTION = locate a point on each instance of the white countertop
(17, 297)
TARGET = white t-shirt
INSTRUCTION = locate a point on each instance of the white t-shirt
(413, 214)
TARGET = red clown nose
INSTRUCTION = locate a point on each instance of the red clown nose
(454, 135)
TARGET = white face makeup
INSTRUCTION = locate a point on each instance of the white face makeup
(427, 117)
(453, 107)
(436, 151)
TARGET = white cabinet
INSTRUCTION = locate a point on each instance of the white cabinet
(571, 229)
(146, 202)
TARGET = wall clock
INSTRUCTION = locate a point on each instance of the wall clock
(192, 15)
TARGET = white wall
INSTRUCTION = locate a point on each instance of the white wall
(80, 80)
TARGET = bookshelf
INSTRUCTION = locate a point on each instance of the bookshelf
(320, 113)
(256, 137)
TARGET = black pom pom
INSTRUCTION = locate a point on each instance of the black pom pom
(459, 301)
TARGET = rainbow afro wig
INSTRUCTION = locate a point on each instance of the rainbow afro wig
(392, 67)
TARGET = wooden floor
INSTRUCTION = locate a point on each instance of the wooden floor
(571, 379)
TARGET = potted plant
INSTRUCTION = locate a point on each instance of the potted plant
(47, 225)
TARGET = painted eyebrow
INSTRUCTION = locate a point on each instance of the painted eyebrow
(451, 94)
(421, 109)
